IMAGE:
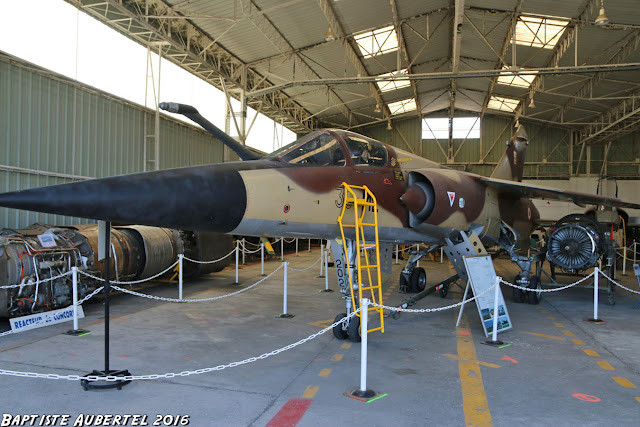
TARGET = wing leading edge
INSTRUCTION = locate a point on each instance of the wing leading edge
(518, 189)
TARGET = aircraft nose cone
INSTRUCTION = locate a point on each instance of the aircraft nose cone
(211, 198)
(415, 199)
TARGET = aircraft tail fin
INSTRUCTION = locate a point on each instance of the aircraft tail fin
(511, 164)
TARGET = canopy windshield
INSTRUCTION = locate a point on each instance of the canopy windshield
(318, 148)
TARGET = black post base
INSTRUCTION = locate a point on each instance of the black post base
(494, 343)
(327, 290)
(595, 320)
(103, 385)
(285, 316)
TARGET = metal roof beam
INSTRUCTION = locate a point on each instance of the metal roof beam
(185, 46)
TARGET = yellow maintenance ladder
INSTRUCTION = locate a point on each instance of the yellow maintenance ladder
(373, 284)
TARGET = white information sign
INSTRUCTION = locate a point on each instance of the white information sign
(47, 318)
(482, 276)
(47, 240)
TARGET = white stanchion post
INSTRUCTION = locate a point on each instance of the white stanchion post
(441, 254)
(180, 261)
(321, 258)
(596, 280)
(237, 258)
(624, 260)
(74, 275)
(496, 313)
(418, 262)
(397, 251)
(262, 258)
(364, 316)
(297, 247)
(284, 314)
(282, 249)
(326, 271)
(309, 245)
(244, 247)
(634, 251)
(494, 336)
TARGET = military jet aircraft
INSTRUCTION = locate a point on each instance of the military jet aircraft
(297, 191)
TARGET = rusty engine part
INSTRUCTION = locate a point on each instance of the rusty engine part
(30, 256)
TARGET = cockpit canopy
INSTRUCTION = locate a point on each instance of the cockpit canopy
(328, 148)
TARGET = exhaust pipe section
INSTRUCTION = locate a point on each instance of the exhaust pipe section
(138, 252)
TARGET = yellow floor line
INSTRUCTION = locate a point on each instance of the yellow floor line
(605, 365)
(337, 357)
(488, 365)
(543, 335)
(567, 333)
(559, 325)
(590, 352)
(474, 398)
(325, 373)
(624, 382)
(638, 398)
(577, 341)
(310, 392)
(346, 345)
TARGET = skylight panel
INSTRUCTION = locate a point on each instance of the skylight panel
(388, 85)
(377, 42)
(402, 106)
(503, 104)
(516, 80)
(461, 128)
(539, 32)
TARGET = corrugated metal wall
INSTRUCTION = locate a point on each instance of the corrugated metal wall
(548, 156)
(54, 129)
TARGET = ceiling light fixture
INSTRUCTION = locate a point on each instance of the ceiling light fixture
(532, 104)
(389, 127)
(377, 109)
(330, 36)
(602, 18)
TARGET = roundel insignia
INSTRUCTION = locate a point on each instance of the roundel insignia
(286, 208)
(461, 203)
(394, 162)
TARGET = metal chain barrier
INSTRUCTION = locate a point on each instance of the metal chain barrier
(618, 284)
(37, 282)
(247, 251)
(208, 262)
(562, 288)
(112, 378)
(91, 295)
(138, 294)
(252, 244)
(305, 269)
(430, 310)
(134, 282)
(7, 333)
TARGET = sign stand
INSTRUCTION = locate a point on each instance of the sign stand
(93, 385)
(482, 276)
(636, 270)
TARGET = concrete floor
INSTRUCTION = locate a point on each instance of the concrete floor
(557, 370)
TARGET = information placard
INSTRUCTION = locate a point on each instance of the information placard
(482, 276)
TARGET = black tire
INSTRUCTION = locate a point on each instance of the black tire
(518, 294)
(354, 329)
(534, 295)
(404, 284)
(418, 279)
(444, 291)
(340, 331)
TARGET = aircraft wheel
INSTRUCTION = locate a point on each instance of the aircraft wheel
(354, 329)
(404, 284)
(340, 330)
(535, 295)
(444, 291)
(518, 294)
(418, 279)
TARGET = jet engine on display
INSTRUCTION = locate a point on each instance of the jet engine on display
(575, 243)
(36, 259)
